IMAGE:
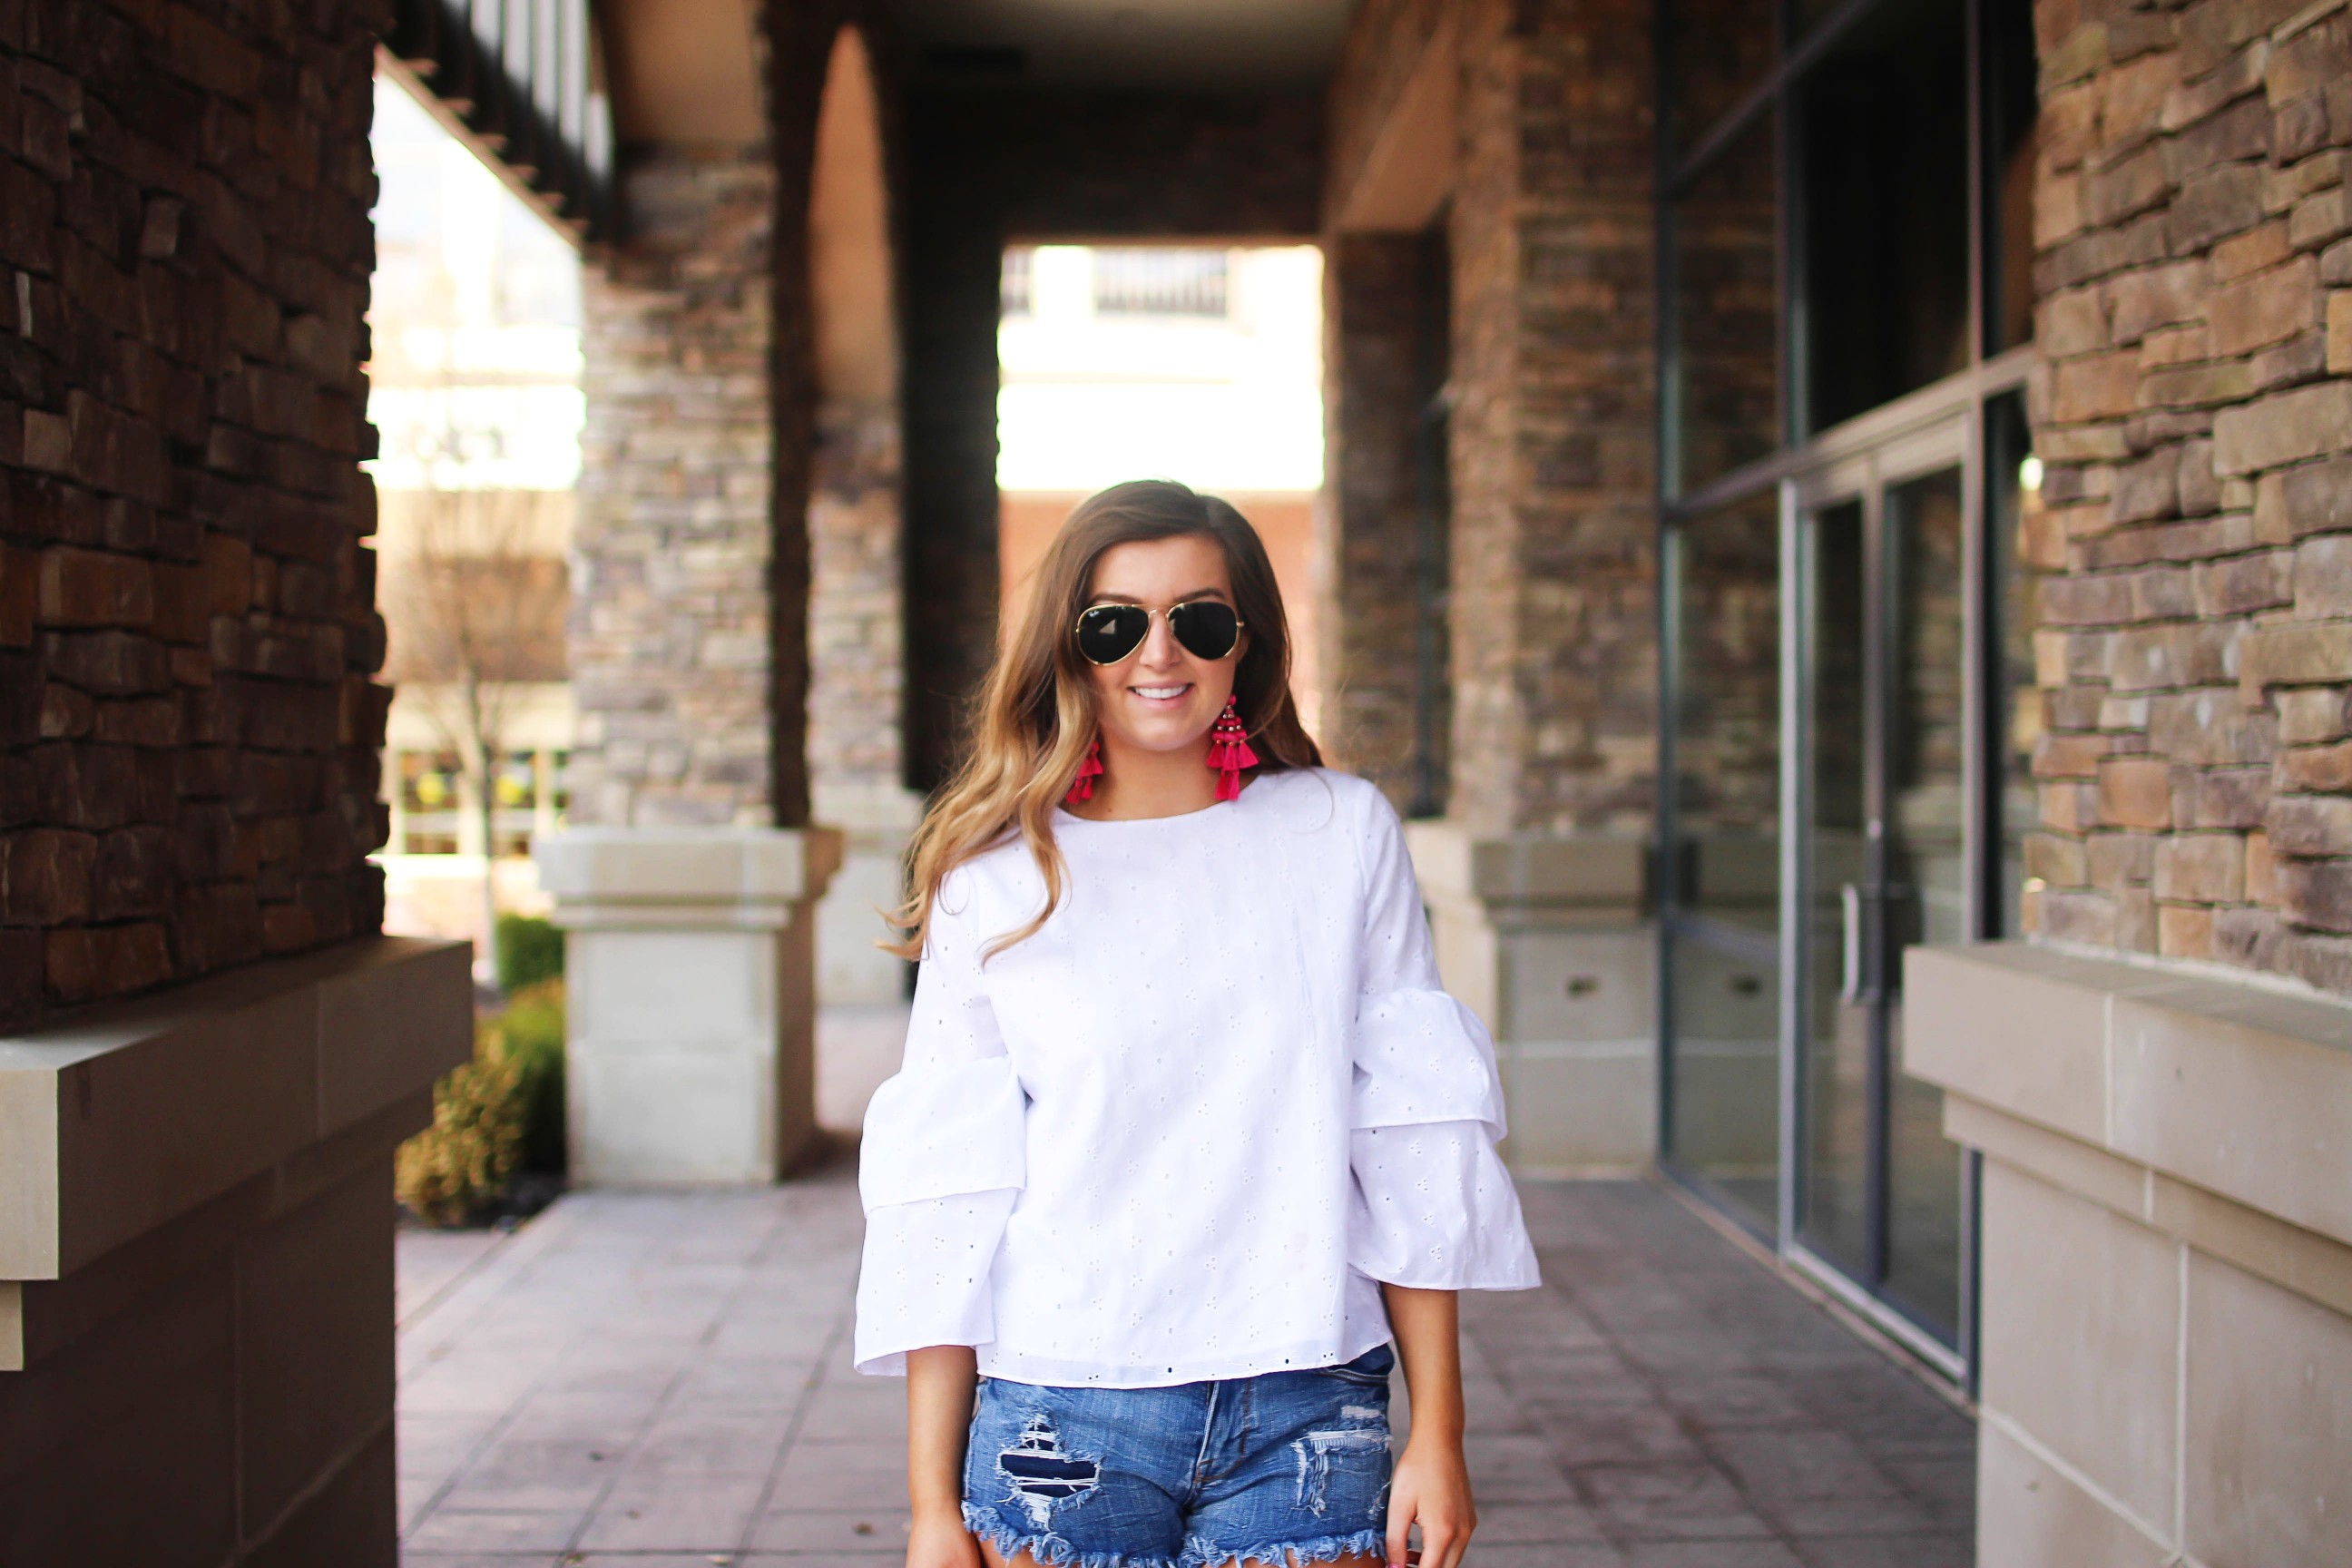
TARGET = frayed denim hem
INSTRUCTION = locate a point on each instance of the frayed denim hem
(1051, 1549)
(1322, 1549)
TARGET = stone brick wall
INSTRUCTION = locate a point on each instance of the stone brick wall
(1554, 636)
(187, 628)
(857, 634)
(2194, 270)
(672, 548)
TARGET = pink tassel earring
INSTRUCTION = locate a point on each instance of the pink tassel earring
(1229, 752)
(1083, 786)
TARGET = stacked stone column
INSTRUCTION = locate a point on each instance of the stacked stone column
(2194, 421)
(1534, 874)
(672, 614)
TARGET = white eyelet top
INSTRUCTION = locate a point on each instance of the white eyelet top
(1182, 1132)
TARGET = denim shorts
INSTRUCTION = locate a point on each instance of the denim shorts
(1284, 1466)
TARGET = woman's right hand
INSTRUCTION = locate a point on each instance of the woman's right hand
(940, 1540)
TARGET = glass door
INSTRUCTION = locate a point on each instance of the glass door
(1882, 654)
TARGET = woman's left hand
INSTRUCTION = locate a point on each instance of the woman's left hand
(1430, 1488)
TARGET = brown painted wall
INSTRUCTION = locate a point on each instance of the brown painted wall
(2194, 268)
(187, 627)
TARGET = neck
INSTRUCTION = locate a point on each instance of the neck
(1137, 784)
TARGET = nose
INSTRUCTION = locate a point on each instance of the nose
(1161, 649)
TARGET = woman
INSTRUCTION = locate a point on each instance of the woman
(1187, 1133)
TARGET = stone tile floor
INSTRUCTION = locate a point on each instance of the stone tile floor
(662, 1381)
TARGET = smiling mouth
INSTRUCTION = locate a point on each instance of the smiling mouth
(1161, 693)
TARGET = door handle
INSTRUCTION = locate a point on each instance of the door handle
(1850, 945)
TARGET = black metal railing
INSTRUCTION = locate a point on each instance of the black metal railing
(521, 75)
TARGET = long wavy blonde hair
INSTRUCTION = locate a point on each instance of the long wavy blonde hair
(1036, 716)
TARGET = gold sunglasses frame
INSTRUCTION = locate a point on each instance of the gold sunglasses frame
(1078, 624)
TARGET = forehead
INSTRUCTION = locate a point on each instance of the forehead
(1161, 569)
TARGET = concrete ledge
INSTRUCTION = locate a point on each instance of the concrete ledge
(2167, 1255)
(118, 1119)
(196, 1260)
(1528, 869)
(2235, 1088)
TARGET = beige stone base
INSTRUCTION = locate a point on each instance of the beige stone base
(875, 824)
(196, 1266)
(2167, 1257)
(1544, 939)
(689, 962)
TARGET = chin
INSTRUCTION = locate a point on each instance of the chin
(1166, 732)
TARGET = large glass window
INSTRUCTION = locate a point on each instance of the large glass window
(2013, 526)
(1723, 969)
(1846, 266)
(1826, 217)
(2011, 110)
(1838, 1078)
(1882, 173)
(1727, 718)
(1727, 290)
(1716, 52)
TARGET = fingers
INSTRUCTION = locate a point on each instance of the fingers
(1444, 1539)
(1400, 1512)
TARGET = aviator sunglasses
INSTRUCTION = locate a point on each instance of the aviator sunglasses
(1206, 628)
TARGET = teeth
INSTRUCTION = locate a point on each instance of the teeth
(1159, 692)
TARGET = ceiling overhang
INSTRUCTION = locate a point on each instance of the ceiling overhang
(683, 71)
(1182, 45)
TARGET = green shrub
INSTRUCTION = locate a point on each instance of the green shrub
(458, 1165)
(530, 1034)
(527, 950)
(500, 1113)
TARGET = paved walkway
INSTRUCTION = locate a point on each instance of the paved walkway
(662, 1381)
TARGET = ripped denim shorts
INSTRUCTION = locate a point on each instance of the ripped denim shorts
(1286, 1466)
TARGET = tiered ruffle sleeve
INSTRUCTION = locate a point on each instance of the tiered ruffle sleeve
(941, 1161)
(1433, 1206)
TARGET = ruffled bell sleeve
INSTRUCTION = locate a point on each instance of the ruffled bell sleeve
(941, 1163)
(1433, 1206)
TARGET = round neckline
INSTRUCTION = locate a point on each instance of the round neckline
(1065, 815)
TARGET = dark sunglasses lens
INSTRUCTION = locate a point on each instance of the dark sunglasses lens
(1206, 628)
(1108, 633)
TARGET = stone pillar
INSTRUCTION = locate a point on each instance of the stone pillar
(1554, 579)
(1542, 936)
(688, 1056)
(2166, 1325)
(1546, 113)
(673, 617)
